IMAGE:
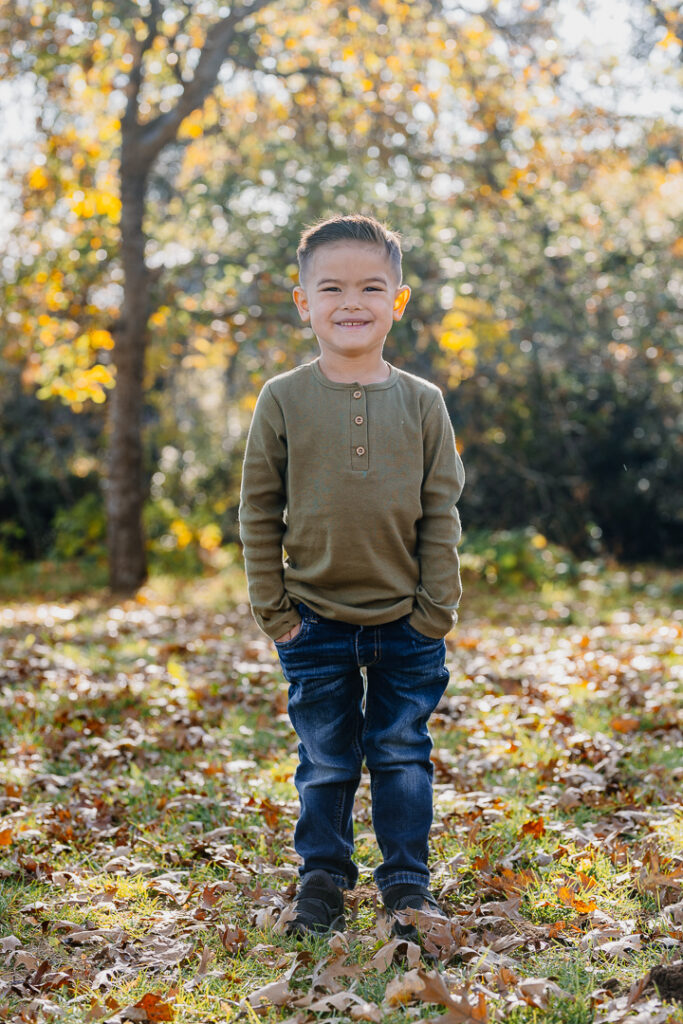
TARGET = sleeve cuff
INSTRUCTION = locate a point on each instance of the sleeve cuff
(275, 628)
(423, 624)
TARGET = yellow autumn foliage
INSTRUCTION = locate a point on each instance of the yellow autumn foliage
(210, 537)
(181, 532)
(38, 179)
(96, 202)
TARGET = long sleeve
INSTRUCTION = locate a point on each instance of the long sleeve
(262, 507)
(438, 593)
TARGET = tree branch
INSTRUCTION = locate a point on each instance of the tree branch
(130, 118)
(162, 129)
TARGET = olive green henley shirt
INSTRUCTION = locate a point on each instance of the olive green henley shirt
(358, 483)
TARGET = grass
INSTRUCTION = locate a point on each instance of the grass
(147, 787)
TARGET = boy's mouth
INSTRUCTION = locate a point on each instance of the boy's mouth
(352, 323)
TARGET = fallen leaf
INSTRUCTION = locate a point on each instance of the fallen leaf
(150, 1008)
(537, 991)
(232, 939)
(326, 973)
(535, 828)
(400, 949)
(570, 899)
(277, 992)
(625, 724)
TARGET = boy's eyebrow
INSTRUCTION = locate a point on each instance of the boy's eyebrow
(366, 280)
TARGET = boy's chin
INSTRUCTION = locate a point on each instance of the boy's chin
(351, 349)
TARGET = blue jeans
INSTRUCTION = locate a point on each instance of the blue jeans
(339, 725)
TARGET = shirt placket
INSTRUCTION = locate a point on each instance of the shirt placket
(359, 430)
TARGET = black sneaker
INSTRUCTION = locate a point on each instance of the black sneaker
(319, 906)
(401, 898)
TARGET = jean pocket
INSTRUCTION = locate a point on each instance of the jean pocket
(287, 645)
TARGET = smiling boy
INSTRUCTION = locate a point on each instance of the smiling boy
(351, 467)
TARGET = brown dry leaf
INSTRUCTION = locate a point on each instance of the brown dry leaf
(6, 837)
(207, 956)
(160, 950)
(403, 989)
(344, 1002)
(150, 1009)
(277, 992)
(271, 812)
(430, 987)
(339, 943)
(366, 1011)
(622, 948)
(673, 911)
(97, 1011)
(504, 978)
(96, 936)
(286, 915)
(204, 961)
(459, 1009)
(625, 723)
(535, 828)
(232, 939)
(535, 991)
(326, 972)
(210, 897)
(508, 909)
(570, 899)
(25, 959)
(166, 887)
(650, 879)
(401, 949)
(43, 977)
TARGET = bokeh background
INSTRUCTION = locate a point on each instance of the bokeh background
(529, 154)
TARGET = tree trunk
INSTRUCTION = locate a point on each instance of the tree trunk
(141, 143)
(126, 487)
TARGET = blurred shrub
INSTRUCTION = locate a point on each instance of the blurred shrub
(515, 558)
(80, 530)
(10, 539)
(182, 542)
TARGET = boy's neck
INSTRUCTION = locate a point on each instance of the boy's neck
(354, 371)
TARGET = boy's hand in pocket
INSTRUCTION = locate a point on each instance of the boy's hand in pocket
(290, 634)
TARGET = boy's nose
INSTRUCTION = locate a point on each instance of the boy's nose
(351, 302)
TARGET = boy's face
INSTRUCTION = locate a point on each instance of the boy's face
(351, 295)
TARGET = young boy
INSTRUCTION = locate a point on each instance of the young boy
(351, 466)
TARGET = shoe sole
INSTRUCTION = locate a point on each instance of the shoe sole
(302, 928)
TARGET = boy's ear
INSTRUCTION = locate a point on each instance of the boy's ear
(401, 301)
(301, 302)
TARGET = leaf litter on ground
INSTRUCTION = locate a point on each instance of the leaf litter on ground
(147, 808)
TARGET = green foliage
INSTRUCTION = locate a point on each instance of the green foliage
(542, 245)
(80, 530)
(516, 558)
(184, 541)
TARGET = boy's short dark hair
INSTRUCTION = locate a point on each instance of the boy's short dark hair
(351, 228)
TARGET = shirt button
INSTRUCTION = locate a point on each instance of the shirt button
(358, 394)
(360, 450)
(358, 420)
